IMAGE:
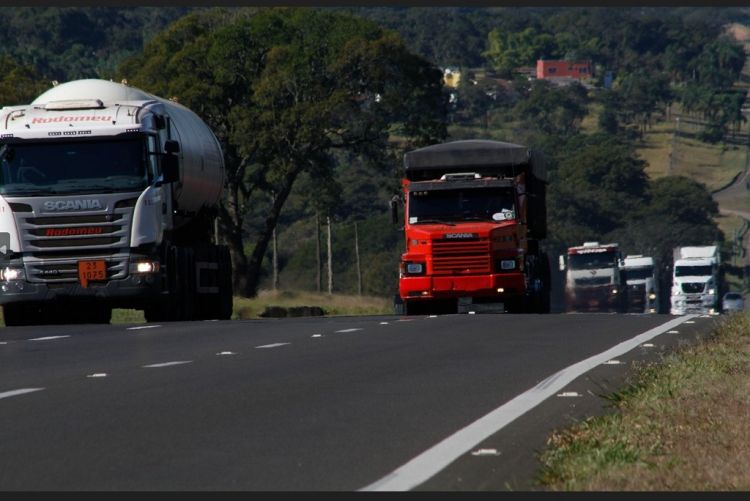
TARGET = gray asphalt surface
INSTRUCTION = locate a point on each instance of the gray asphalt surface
(316, 404)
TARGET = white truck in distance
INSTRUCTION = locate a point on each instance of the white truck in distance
(108, 197)
(695, 280)
(642, 284)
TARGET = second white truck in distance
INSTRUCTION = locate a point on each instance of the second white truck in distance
(641, 282)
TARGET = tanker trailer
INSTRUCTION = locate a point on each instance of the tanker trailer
(108, 197)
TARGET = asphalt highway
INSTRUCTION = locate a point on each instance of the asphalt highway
(437, 403)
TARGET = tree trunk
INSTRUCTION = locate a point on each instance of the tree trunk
(230, 222)
(261, 244)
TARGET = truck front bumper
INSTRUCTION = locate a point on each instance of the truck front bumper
(132, 291)
(499, 286)
(701, 304)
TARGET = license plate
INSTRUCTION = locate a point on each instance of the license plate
(91, 271)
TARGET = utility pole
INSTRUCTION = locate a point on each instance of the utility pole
(330, 258)
(356, 252)
(673, 152)
(318, 266)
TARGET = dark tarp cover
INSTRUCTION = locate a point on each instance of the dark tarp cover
(466, 153)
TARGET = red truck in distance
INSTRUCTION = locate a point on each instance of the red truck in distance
(474, 217)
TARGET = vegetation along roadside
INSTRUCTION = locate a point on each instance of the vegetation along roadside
(681, 424)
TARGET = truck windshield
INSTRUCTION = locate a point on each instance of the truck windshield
(592, 260)
(638, 273)
(73, 167)
(484, 204)
(692, 271)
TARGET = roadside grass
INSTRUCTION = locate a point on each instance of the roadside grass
(244, 308)
(681, 424)
(715, 165)
(333, 304)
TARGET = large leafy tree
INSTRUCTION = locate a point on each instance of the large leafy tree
(284, 89)
(19, 84)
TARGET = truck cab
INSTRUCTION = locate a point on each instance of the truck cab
(593, 281)
(696, 280)
(641, 283)
(473, 217)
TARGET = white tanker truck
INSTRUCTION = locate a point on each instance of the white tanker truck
(108, 197)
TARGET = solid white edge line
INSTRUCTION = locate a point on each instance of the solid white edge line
(424, 466)
(272, 345)
(22, 391)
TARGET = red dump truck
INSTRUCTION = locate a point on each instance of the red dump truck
(474, 217)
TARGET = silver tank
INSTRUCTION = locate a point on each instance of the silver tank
(202, 171)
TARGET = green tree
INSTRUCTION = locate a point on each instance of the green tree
(19, 84)
(284, 88)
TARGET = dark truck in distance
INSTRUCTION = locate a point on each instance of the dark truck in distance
(475, 214)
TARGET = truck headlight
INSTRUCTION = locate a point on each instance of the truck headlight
(7, 274)
(614, 290)
(145, 267)
(414, 268)
(712, 291)
(652, 296)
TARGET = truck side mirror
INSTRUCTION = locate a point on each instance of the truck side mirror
(394, 208)
(170, 168)
(561, 261)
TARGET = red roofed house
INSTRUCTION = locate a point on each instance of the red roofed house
(561, 68)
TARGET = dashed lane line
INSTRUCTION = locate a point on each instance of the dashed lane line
(273, 345)
(47, 338)
(139, 327)
(20, 391)
(350, 330)
(167, 364)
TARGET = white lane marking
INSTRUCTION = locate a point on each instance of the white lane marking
(485, 452)
(167, 364)
(3, 342)
(432, 316)
(350, 330)
(383, 323)
(648, 345)
(689, 322)
(422, 467)
(139, 327)
(673, 332)
(612, 362)
(274, 345)
(317, 335)
(20, 391)
(97, 374)
(225, 353)
(569, 394)
(48, 338)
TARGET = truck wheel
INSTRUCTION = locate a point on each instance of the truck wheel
(18, 314)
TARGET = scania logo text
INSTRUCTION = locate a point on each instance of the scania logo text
(63, 205)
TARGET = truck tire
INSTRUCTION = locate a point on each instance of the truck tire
(20, 314)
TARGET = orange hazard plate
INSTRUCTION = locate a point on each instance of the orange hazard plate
(89, 271)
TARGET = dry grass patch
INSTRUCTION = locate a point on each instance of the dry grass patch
(682, 425)
(333, 304)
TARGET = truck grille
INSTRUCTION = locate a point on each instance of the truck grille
(460, 257)
(591, 281)
(692, 287)
(53, 245)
